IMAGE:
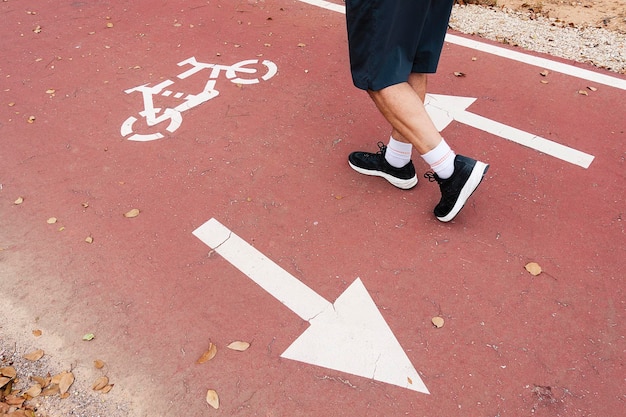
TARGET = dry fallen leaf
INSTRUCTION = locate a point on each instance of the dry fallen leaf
(50, 391)
(56, 379)
(67, 379)
(37, 29)
(438, 322)
(41, 381)
(208, 355)
(100, 383)
(19, 201)
(50, 91)
(592, 88)
(583, 93)
(109, 25)
(98, 364)
(31, 119)
(239, 346)
(533, 268)
(89, 239)
(4, 381)
(459, 74)
(132, 213)
(8, 371)
(544, 73)
(51, 220)
(37, 333)
(212, 399)
(89, 337)
(33, 391)
(34, 356)
(14, 400)
(301, 45)
(107, 389)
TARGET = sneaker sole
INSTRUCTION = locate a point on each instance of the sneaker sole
(474, 180)
(398, 182)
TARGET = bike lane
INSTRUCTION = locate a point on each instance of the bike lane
(268, 161)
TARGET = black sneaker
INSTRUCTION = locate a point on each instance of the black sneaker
(375, 164)
(468, 173)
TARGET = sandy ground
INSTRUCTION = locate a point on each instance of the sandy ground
(608, 14)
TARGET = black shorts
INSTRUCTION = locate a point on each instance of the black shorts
(389, 39)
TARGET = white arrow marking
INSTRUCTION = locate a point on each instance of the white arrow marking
(444, 109)
(350, 336)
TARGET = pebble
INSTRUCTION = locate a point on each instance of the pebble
(596, 46)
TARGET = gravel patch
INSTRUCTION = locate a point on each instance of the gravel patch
(599, 47)
(82, 400)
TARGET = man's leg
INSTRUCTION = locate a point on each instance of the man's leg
(403, 107)
(399, 149)
(418, 83)
(398, 153)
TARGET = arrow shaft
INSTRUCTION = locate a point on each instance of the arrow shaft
(538, 143)
(283, 286)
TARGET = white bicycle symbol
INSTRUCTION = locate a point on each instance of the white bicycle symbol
(237, 73)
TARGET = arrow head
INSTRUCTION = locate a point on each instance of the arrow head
(449, 102)
(442, 108)
(352, 336)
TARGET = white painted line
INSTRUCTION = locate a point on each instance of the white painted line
(557, 150)
(538, 62)
(348, 336)
(444, 109)
(509, 54)
(326, 5)
(287, 289)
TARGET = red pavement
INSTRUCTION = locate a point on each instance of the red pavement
(268, 160)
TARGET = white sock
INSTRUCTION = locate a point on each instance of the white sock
(398, 153)
(441, 160)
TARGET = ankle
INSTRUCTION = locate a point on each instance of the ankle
(441, 160)
(398, 154)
